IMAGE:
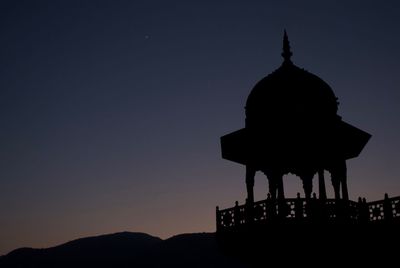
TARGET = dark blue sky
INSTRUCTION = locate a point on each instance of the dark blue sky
(111, 111)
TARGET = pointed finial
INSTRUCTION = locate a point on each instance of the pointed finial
(286, 53)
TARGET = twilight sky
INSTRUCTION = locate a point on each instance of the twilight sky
(111, 111)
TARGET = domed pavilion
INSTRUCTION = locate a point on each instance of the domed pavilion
(292, 126)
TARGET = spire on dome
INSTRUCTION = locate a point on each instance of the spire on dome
(286, 53)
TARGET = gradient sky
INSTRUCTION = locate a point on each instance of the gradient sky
(111, 111)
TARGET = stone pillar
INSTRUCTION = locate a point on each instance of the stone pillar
(250, 174)
(345, 192)
(272, 187)
(335, 183)
(275, 184)
(339, 179)
(281, 193)
(321, 184)
(307, 185)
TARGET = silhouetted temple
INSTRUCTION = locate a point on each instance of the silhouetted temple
(292, 126)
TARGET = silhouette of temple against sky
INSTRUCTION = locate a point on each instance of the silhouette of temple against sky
(292, 126)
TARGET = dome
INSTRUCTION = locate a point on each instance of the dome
(289, 97)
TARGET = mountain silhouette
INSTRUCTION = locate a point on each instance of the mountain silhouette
(289, 244)
(126, 249)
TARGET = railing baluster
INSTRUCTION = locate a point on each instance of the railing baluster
(218, 216)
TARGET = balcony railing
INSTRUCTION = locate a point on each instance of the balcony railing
(300, 210)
